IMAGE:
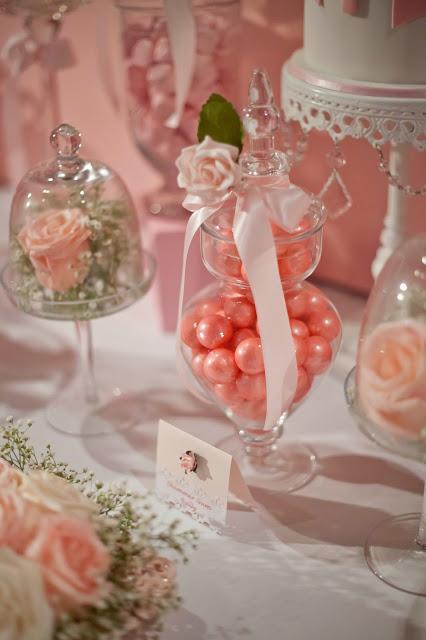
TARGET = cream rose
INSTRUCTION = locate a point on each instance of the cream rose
(73, 560)
(52, 493)
(56, 242)
(392, 376)
(9, 476)
(208, 169)
(24, 611)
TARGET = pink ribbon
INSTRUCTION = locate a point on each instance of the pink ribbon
(285, 204)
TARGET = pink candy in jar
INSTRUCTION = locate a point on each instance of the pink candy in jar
(221, 341)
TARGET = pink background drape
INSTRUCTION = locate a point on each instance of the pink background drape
(91, 98)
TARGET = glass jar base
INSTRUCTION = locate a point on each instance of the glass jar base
(287, 466)
(394, 556)
(114, 410)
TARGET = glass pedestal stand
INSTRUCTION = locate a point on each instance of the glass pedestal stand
(395, 549)
(94, 404)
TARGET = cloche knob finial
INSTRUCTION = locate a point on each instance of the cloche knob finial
(66, 140)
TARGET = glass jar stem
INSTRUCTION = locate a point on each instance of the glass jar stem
(421, 536)
(84, 335)
(260, 443)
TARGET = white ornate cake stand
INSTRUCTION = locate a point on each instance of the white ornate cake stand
(380, 113)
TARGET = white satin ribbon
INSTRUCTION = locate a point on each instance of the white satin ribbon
(285, 204)
(182, 38)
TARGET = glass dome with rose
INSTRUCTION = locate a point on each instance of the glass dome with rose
(386, 394)
(75, 249)
(259, 326)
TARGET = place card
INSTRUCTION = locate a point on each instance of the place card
(202, 493)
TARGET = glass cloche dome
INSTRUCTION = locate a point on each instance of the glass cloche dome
(389, 386)
(75, 251)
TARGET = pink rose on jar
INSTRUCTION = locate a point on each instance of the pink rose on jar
(209, 169)
(56, 242)
(392, 376)
(73, 560)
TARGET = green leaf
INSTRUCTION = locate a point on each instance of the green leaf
(220, 121)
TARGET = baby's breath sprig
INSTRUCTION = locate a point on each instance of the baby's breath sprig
(128, 526)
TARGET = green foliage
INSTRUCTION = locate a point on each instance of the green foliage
(220, 121)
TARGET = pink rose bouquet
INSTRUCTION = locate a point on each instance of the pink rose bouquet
(78, 559)
(392, 376)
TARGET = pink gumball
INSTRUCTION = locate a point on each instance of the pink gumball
(198, 363)
(240, 311)
(239, 336)
(214, 331)
(299, 328)
(294, 264)
(303, 384)
(316, 302)
(219, 366)
(301, 348)
(227, 248)
(277, 231)
(325, 324)
(252, 387)
(227, 265)
(319, 355)
(209, 306)
(297, 303)
(234, 290)
(227, 393)
(188, 330)
(249, 356)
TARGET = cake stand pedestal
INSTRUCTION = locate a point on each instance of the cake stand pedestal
(379, 113)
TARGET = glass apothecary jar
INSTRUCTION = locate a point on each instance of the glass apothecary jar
(150, 73)
(220, 339)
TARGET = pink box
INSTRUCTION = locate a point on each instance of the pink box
(164, 238)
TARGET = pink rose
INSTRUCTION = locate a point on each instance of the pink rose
(73, 560)
(9, 476)
(208, 169)
(392, 376)
(18, 520)
(56, 242)
(188, 462)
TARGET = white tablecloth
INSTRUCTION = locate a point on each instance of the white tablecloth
(301, 574)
